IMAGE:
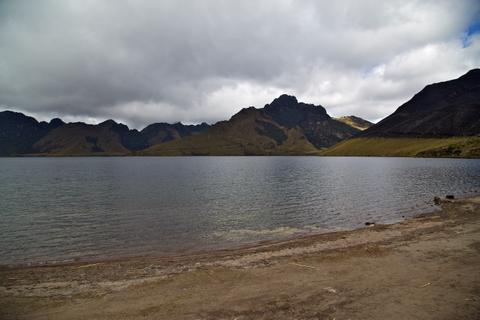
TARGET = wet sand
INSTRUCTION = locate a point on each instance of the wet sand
(422, 268)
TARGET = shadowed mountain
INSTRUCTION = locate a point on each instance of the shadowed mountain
(23, 135)
(312, 121)
(421, 126)
(444, 109)
(19, 132)
(108, 138)
(284, 126)
(356, 122)
(163, 132)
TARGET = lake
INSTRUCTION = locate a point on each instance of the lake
(56, 210)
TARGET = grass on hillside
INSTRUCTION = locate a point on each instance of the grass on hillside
(224, 144)
(466, 147)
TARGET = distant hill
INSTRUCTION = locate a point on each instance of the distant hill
(163, 132)
(23, 135)
(356, 122)
(284, 126)
(106, 138)
(443, 119)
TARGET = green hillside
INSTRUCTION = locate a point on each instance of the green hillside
(467, 147)
(247, 133)
(284, 127)
(355, 122)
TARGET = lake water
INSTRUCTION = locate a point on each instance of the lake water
(69, 209)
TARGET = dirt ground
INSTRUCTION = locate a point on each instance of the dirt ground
(423, 268)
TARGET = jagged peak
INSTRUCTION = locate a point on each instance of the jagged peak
(164, 125)
(247, 109)
(284, 100)
(113, 125)
(243, 112)
(108, 122)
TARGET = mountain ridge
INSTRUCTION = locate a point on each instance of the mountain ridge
(441, 120)
(356, 122)
(285, 126)
(443, 109)
(419, 127)
(24, 135)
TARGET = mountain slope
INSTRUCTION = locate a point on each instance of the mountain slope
(356, 122)
(283, 127)
(24, 135)
(466, 147)
(106, 138)
(442, 120)
(163, 132)
(444, 109)
(19, 132)
(109, 138)
(313, 121)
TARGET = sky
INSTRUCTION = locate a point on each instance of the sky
(140, 62)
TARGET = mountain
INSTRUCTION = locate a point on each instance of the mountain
(163, 132)
(444, 109)
(284, 126)
(356, 122)
(24, 135)
(443, 119)
(106, 138)
(109, 138)
(19, 132)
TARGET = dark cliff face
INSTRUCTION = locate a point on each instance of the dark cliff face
(110, 137)
(285, 113)
(131, 139)
(285, 126)
(450, 108)
(314, 122)
(19, 132)
(288, 112)
(164, 132)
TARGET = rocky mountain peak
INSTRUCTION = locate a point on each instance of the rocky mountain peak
(284, 100)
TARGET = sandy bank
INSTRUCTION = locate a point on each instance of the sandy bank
(424, 268)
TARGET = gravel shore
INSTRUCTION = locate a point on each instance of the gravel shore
(422, 268)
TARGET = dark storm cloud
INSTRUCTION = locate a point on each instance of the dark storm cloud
(145, 61)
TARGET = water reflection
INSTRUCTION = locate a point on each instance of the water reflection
(55, 209)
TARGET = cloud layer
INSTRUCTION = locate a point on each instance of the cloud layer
(192, 61)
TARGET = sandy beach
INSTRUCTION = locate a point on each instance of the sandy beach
(422, 268)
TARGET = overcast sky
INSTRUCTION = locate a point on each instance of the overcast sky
(140, 62)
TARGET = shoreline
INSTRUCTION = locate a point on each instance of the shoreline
(319, 154)
(377, 259)
(212, 251)
(245, 247)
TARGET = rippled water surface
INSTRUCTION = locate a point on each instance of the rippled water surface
(67, 209)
